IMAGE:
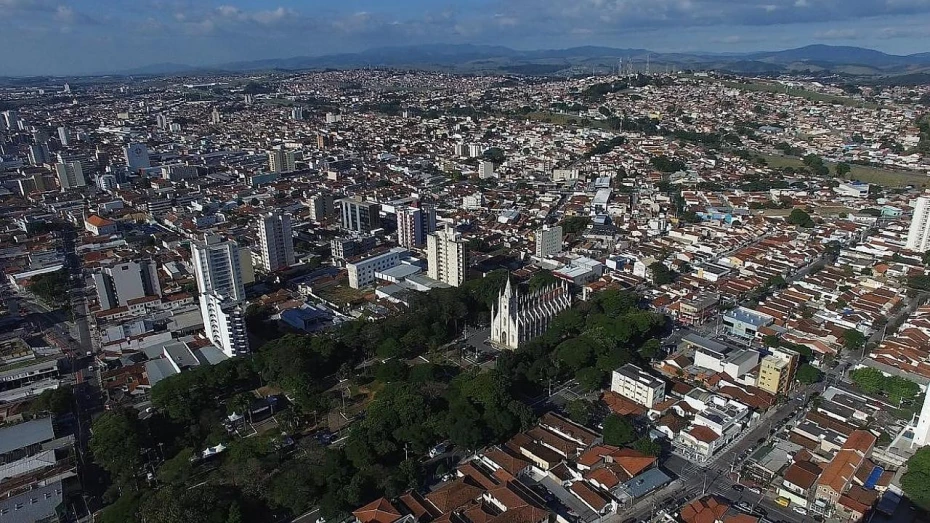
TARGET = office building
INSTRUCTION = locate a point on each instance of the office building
(64, 136)
(344, 248)
(70, 175)
(39, 154)
(359, 216)
(410, 233)
(447, 257)
(918, 236)
(548, 241)
(332, 118)
(107, 182)
(277, 241)
(321, 206)
(178, 171)
(362, 270)
(224, 323)
(281, 161)
(486, 169)
(637, 385)
(137, 156)
(745, 323)
(221, 266)
(518, 318)
(117, 284)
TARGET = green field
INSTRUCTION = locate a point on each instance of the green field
(876, 175)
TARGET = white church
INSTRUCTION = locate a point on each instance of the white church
(519, 318)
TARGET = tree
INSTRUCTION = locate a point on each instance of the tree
(647, 446)
(618, 430)
(591, 378)
(52, 287)
(661, 275)
(57, 401)
(916, 481)
(870, 380)
(853, 339)
(899, 389)
(579, 411)
(650, 349)
(808, 374)
(800, 218)
(926, 258)
(575, 224)
(117, 445)
(841, 169)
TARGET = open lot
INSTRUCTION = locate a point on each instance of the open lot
(876, 175)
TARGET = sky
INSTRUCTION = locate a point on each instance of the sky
(95, 36)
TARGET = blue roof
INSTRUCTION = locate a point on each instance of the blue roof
(646, 482)
(873, 477)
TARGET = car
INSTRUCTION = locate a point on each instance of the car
(745, 507)
(755, 490)
(737, 487)
(438, 449)
(760, 511)
(800, 510)
(783, 501)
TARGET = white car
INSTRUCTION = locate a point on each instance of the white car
(800, 510)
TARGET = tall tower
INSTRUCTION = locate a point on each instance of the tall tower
(274, 230)
(548, 241)
(218, 268)
(410, 232)
(446, 257)
(918, 236)
(922, 432)
(70, 175)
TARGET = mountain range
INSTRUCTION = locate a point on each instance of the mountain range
(827, 59)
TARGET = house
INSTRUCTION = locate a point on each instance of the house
(99, 226)
(799, 480)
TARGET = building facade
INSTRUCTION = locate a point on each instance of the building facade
(410, 233)
(70, 175)
(918, 236)
(277, 241)
(518, 318)
(137, 156)
(362, 271)
(359, 216)
(447, 257)
(637, 385)
(117, 284)
(224, 323)
(281, 161)
(548, 241)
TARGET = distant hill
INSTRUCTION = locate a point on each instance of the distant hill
(476, 58)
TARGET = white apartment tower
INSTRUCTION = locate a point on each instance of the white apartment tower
(281, 161)
(519, 318)
(918, 237)
(274, 231)
(548, 241)
(446, 257)
(70, 175)
(410, 233)
(922, 431)
(218, 268)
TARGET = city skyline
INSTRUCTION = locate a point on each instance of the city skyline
(97, 37)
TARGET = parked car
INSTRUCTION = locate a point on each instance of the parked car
(438, 449)
(745, 507)
(755, 490)
(737, 487)
(800, 510)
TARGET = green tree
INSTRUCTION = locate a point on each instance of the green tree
(57, 401)
(899, 389)
(661, 275)
(177, 469)
(650, 349)
(117, 444)
(647, 446)
(591, 378)
(800, 218)
(841, 169)
(618, 430)
(916, 481)
(575, 224)
(870, 380)
(579, 410)
(808, 374)
(853, 339)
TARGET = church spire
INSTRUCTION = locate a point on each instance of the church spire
(508, 290)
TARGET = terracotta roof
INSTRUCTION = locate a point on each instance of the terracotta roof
(589, 495)
(841, 470)
(97, 221)
(416, 505)
(507, 460)
(707, 510)
(622, 406)
(378, 511)
(803, 474)
(633, 461)
(454, 494)
(860, 440)
(595, 454)
(704, 434)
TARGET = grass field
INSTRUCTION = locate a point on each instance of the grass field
(876, 175)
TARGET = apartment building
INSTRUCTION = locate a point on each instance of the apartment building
(637, 385)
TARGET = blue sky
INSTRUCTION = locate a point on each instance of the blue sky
(86, 36)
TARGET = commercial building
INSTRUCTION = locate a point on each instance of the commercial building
(359, 216)
(137, 156)
(776, 372)
(447, 257)
(362, 270)
(548, 241)
(519, 318)
(745, 323)
(277, 241)
(349, 247)
(698, 310)
(918, 236)
(70, 175)
(281, 161)
(117, 284)
(637, 385)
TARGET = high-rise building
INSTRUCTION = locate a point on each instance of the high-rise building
(447, 257)
(10, 119)
(281, 161)
(475, 150)
(161, 121)
(359, 216)
(548, 241)
(274, 231)
(297, 113)
(321, 206)
(486, 169)
(922, 431)
(460, 150)
(410, 232)
(918, 237)
(517, 319)
(218, 266)
(119, 283)
(215, 116)
(137, 156)
(224, 324)
(39, 154)
(428, 218)
(63, 135)
(70, 175)
(776, 371)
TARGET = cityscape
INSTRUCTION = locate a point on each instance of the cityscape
(624, 289)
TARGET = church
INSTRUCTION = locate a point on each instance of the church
(519, 318)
